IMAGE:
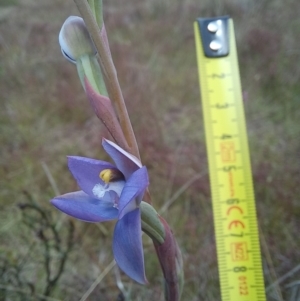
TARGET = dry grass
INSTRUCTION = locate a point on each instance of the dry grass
(44, 117)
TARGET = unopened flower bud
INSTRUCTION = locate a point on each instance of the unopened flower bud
(151, 223)
(75, 40)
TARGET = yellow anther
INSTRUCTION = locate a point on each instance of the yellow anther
(110, 175)
(105, 175)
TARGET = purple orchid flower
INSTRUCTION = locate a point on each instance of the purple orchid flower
(111, 192)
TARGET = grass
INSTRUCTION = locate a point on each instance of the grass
(44, 117)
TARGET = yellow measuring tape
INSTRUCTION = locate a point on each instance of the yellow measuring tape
(237, 240)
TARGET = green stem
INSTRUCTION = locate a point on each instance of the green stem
(110, 75)
(96, 7)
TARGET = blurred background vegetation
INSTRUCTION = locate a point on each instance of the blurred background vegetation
(44, 116)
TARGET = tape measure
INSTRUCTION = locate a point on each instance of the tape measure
(236, 230)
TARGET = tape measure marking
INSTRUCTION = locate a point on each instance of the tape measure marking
(234, 211)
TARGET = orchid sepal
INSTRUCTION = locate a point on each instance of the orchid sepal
(134, 189)
(127, 246)
(84, 207)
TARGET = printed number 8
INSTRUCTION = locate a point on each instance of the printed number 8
(239, 269)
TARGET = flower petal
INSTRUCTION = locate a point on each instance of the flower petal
(78, 204)
(124, 161)
(127, 246)
(86, 172)
(133, 191)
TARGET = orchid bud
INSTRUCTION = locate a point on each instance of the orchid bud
(78, 48)
(151, 223)
(75, 40)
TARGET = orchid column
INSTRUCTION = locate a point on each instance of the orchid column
(114, 191)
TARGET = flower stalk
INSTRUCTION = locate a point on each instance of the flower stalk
(170, 259)
(109, 72)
